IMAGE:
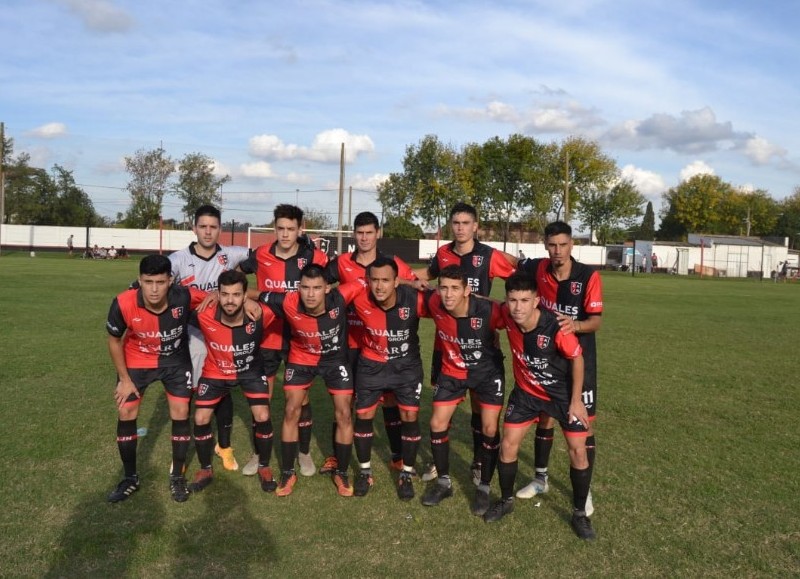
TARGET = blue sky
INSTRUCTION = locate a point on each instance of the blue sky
(270, 90)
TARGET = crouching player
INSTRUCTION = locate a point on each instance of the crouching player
(147, 330)
(548, 375)
(233, 358)
(389, 363)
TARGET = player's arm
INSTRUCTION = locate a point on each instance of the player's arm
(509, 258)
(352, 289)
(569, 347)
(125, 386)
(587, 326)
(274, 301)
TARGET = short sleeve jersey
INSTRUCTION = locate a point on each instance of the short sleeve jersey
(541, 357)
(190, 269)
(468, 343)
(316, 340)
(278, 275)
(345, 268)
(392, 334)
(153, 340)
(482, 265)
(579, 297)
(233, 351)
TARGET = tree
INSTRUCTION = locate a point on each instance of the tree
(150, 172)
(73, 205)
(401, 228)
(647, 230)
(587, 170)
(197, 185)
(693, 206)
(316, 219)
(788, 223)
(606, 210)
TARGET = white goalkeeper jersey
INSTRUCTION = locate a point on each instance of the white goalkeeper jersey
(190, 269)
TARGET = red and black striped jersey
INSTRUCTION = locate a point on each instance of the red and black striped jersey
(233, 351)
(153, 340)
(391, 334)
(278, 275)
(482, 265)
(345, 268)
(315, 339)
(541, 357)
(467, 343)
(579, 296)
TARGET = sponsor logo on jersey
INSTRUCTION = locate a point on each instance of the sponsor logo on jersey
(575, 287)
(542, 341)
(475, 323)
(404, 313)
(222, 258)
(334, 313)
(177, 312)
(250, 328)
(477, 260)
(301, 262)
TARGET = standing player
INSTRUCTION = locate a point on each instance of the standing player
(233, 359)
(466, 326)
(277, 268)
(389, 362)
(147, 342)
(199, 266)
(317, 318)
(574, 293)
(548, 375)
(350, 267)
(482, 263)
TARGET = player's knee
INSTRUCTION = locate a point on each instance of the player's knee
(509, 450)
(260, 412)
(578, 458)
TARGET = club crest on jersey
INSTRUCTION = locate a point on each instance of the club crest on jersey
(542, 341)
(575, 287)
(222, 258)
(250, 328)
(476, 323)
(301, 262)
(202, 389)
(334, 313)
(477, 260)
(404, 313)
(287, 375)
(177, 312)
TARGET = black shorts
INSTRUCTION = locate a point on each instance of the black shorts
(378, 378)
(589, 395)
(488, 387)
(177, 381)
(436, 365)
(272, 360)
(523, 410)
(336, 377)
(211, 390)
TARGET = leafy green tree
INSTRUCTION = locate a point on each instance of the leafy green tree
(587, 169)
(150, 173)
(788, 222)
(647, 230)
(693, 206)
(73, 205)
(197, 185)
(401, 228)
(316, 219)
(606, 210)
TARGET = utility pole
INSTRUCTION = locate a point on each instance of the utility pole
(350, 210)
(2, 180)
(566, 186)
(341, 202)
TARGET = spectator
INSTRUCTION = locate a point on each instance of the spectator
(112, 253)
(70, 244)
(654, 260)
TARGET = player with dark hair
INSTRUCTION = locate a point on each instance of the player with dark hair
(389, 362)
(548, 378)
(277, 269)
(234, 359)
(199, 266)
(147, 329)
(466, 326)
(482, 263)
(317, 318)
(350, 267)
(573, 292)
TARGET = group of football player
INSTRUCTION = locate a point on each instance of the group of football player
(193, 322)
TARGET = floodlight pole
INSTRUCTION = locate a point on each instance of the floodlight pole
(2, 180)
(341, 202)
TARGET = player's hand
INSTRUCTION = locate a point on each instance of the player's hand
(211, 299)
(567, 324)
(420, 284)
(577, 411)
(123, 391)
(253, 310)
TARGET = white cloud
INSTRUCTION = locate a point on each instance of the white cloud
(257, 170)
(551, 117)
(100, 15)
(695, 168)
(220, 169)
(326, 147)
(298, 178)
(368, 182)
(49, 131)
(648, 183)
(761, 152)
